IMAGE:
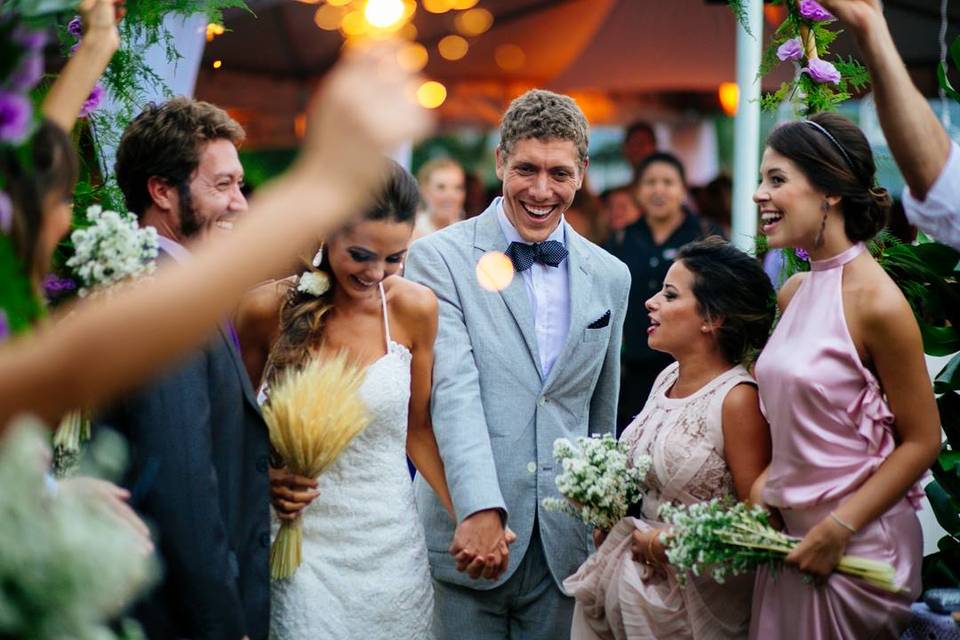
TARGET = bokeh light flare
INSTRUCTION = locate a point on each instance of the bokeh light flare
(453, 47)
(384, 14)
(473, 22)
(431, 94)
(494, 271)
(413, 57)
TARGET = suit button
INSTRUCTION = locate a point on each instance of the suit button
(265, 539)
(263, 463)
(532, 467)
(543, 400)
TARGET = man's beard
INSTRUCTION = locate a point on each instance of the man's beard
(190, 225)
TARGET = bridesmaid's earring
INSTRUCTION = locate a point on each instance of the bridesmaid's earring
(825, 207)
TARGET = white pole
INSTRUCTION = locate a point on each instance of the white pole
(746, 128)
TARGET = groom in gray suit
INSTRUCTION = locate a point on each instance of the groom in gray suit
(514, 370)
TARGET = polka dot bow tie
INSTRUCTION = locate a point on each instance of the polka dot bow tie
(550, 253)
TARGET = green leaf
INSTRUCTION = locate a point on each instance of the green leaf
(949, 380)
(949, 407)
(949, 460)
(939, 258)
(955, 52)
(944, 507)
(945, 82)
(939, 341)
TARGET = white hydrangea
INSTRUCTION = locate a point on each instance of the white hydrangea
(314, 283)
(598, 480)
(112, 249)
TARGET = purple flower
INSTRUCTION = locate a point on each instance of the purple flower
(802, 254)
(822, 71)
(55, 286)
(15, 116)
(6, 213)
(93, 101)
(790, 50)
(811, 10)
(4, 326)
(27, 73)
(29, 38)
(75, 27)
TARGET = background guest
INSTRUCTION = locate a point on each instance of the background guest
(649, 247)
(443, 189)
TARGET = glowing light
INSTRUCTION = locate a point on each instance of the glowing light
(408, 32)
(338, 3)
(509, 57)
(473, 22)
(217, 64)
(309, 1)
(438, 6)
(453, 47)
(494, 271)
(384, 14)
(300, 125)
(729, 94)
(413, 57)
(461, 5)
(354, 24)
(329, 17)
(214, 30)
(431, 94)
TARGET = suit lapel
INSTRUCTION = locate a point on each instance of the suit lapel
(489, 237)
(238, 365)
(579, 272)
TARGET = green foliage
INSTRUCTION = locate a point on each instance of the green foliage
(740, 13)
(18, 300)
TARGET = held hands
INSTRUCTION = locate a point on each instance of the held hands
(290, 494)
(481, 545)
(821, 549)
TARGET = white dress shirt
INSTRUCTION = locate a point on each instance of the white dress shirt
(939, 214)
(548, 289)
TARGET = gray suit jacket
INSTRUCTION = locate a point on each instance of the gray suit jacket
(494, 416)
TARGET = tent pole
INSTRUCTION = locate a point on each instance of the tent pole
(746, 128)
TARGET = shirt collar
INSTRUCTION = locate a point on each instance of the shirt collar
(510, 232)
(173, 249)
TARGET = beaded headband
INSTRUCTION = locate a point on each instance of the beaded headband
(835, 142)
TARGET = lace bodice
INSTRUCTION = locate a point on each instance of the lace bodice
(684, 438)
(365, 573)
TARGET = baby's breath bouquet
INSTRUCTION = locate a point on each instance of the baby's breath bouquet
(67, 564)
(725, 539)
(598, 481)
(113, 249)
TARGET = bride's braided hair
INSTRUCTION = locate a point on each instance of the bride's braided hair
(302, 314)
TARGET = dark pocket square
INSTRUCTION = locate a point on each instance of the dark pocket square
(600, 322)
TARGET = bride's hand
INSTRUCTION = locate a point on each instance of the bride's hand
(290, 494)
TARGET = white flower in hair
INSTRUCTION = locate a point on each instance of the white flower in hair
(314, 283)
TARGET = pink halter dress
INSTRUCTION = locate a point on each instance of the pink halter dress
(831, 429)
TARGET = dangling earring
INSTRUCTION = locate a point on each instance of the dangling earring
(317, 259)
(825, 207)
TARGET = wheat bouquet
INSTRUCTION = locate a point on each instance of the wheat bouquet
(313, 413)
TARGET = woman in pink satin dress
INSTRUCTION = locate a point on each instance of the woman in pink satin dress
(844, 386)
(703, 429)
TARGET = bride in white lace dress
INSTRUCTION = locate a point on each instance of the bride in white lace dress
(365, 573)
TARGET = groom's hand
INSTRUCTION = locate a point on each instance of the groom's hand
(479, 545)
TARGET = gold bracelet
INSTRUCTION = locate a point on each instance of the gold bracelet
(843, 523)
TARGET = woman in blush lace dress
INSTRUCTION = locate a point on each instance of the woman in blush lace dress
(364, 574)
(845, 387)
(703, 429)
